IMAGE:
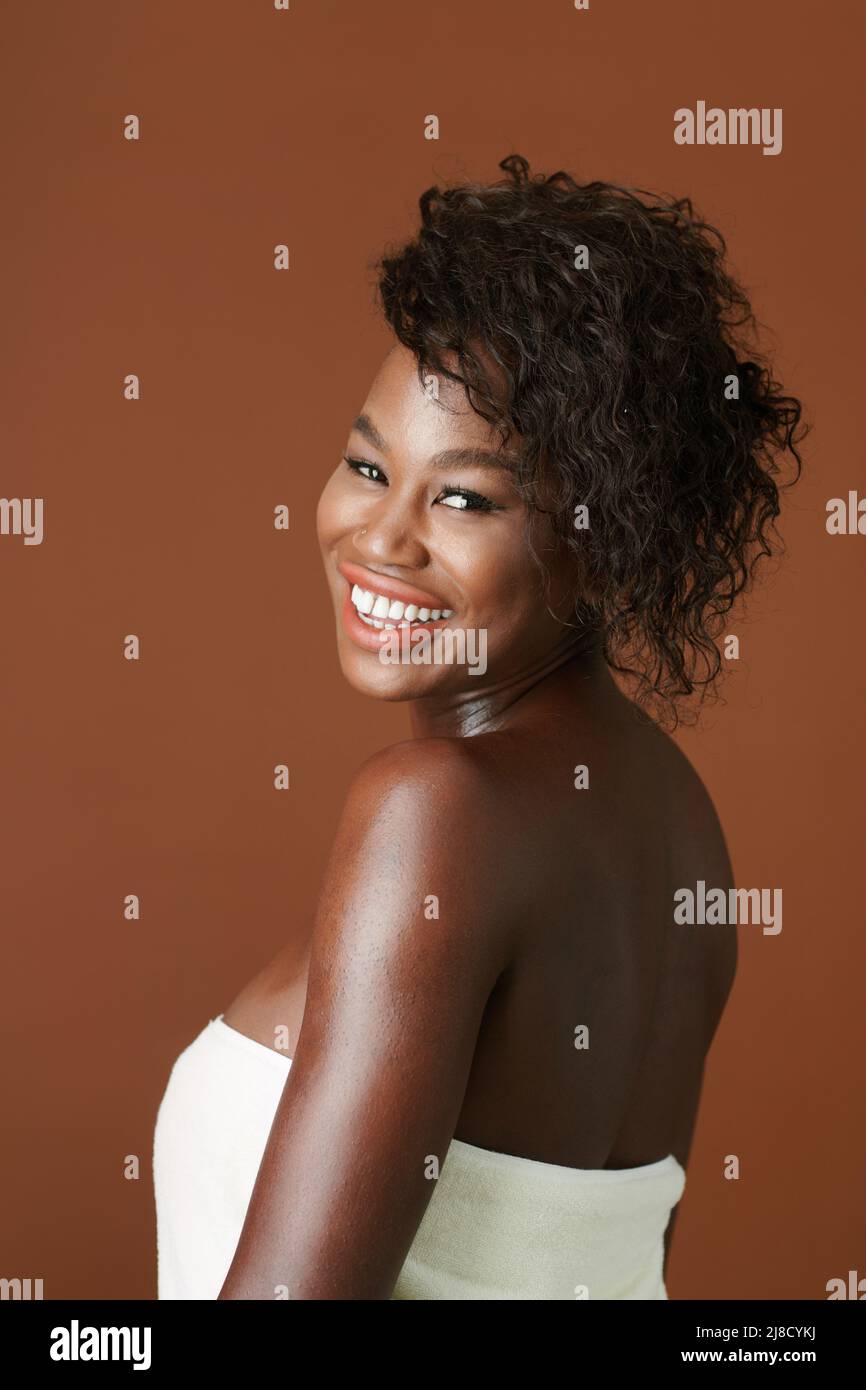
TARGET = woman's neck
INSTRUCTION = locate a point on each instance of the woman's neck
(478, 711)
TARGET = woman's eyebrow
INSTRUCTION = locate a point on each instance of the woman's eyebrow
(447, 458)
(364, 425)
(474, 458)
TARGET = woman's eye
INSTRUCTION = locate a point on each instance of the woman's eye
(366, 470)
(464, 501)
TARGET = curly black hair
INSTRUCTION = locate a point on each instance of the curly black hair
(625, 374)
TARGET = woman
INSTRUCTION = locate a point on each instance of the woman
(498, 1030)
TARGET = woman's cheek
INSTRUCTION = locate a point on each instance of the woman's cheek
(330, 511)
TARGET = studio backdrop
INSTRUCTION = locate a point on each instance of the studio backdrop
(194, 197)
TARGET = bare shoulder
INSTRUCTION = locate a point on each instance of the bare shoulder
(440, 771)
(418, 831)
(454, 795)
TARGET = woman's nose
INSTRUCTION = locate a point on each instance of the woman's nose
(390, 535)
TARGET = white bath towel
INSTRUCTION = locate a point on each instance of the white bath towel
(496, 1226)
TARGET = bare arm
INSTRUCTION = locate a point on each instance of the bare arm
(394, 1004)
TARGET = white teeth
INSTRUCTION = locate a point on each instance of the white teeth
(362, 600)
(375, 608)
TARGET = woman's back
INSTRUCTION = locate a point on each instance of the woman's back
(592, 1046)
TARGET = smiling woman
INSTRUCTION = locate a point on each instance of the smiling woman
(499, 1026)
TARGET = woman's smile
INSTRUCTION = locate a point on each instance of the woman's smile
(382, 602)
(369, 633)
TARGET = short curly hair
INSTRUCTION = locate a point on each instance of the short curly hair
(628, 381)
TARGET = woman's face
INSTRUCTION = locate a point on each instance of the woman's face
(422, 531)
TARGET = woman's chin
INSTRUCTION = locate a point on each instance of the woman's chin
(395, 680)
(383, 681)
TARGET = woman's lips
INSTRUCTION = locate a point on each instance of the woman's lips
(389, 588)
(372, 638)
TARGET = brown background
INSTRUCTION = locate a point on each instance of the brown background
(155, 777)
